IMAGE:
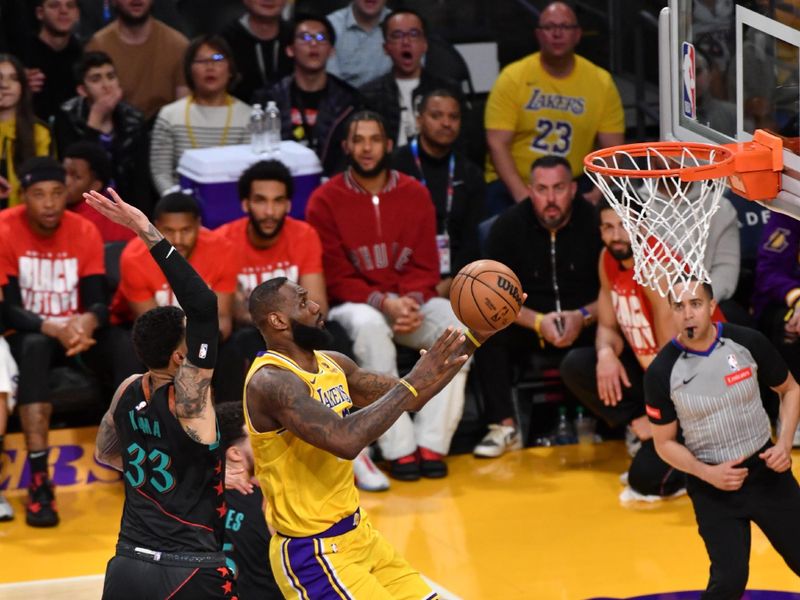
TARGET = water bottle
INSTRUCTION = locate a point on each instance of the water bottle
(584, 427)
(257, 130)
(273, 128)
(565, 434)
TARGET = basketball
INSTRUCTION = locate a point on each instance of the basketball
(486, 295)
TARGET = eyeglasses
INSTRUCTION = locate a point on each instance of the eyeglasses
(307, 38)
(213, 59)
(561, 27)
(412, 34)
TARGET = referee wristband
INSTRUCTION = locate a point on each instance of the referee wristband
(471, 337)
(410, 387)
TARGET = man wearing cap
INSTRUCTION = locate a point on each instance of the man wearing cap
(55, 301)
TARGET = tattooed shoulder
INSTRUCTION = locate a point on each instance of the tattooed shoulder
(192, 434)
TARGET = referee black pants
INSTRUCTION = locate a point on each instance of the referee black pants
(770, 500)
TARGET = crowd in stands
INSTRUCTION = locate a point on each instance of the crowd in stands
(404, 205)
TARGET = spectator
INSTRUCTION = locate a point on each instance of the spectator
(21, 137)
(98, 114)
(270, 244)
(88, 167)
(55, 300)
(8, 397)
(776, 295)
(634, 323)
(378, 232)
(553, 102)
(454, 182)
(147, 54)
(551, 242)
(258, 41)
(314, 105)
(143, 286)
(50, 55)
(208, 117)
(359, 56)
(396, 94)
(247, 536)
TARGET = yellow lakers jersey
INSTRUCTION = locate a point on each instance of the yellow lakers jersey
(551, 116)
(308, 489)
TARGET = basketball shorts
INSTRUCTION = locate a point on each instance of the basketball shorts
(354, 565)
(155, 576)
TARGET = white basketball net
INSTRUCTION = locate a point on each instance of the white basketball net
(667, 219)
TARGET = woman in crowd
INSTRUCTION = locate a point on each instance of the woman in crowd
(208, 117)
(21, 137)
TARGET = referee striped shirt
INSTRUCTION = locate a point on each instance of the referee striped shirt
(715, 394)
(171, 135)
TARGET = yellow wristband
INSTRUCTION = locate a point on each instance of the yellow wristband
(471, 337)
(537, 323)
(410, 387)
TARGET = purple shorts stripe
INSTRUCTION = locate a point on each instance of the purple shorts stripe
(290, 575)
(302, 561)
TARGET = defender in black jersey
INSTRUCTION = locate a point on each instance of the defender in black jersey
(161, 432)
(707, 380)
(246, 533)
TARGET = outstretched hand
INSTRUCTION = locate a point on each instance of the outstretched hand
(118, 211)
(437, 366)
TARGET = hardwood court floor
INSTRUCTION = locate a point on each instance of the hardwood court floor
(543, 523)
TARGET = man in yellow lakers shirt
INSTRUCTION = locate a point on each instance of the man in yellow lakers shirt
(553, 102)
(297, 410)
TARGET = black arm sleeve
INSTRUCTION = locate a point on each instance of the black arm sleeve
(772, 369)
(657, 401)
(14, 313)
(92, 290)
(198, 302)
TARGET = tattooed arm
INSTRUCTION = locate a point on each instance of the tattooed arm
(277, 398)
(106, 447)
(193, 406)
(367, 386)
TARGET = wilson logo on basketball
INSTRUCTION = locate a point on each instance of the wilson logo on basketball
(513, 291)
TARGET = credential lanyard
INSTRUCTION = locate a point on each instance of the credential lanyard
(451, 171)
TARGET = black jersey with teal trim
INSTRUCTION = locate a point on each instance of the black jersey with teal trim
(247, 546)
(174, 486)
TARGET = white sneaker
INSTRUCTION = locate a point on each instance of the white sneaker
(498, 441)
(368, 477)
(632, 443)
(6, 512)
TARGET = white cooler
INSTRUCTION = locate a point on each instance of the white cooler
(213, 173)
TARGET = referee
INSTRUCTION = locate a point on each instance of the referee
(707, 379)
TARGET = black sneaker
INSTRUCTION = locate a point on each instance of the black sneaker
(431, 464)
(405, 468)
(40, 510)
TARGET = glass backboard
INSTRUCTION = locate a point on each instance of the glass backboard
(729, 68)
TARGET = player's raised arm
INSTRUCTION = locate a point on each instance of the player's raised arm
(193, 405)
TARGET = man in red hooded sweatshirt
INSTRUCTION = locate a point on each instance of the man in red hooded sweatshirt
(378, 232)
